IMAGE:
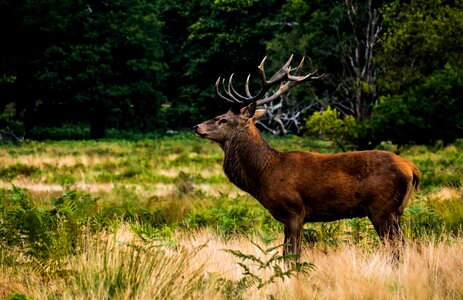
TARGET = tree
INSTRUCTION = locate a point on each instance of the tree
(360, 87)
(104, 56)
(421, 74)
(212, 39)
(340, 38)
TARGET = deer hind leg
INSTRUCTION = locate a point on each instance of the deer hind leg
(388, 229)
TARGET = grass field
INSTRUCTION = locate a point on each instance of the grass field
(157, 219)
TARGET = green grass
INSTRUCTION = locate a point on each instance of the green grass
(165, 186)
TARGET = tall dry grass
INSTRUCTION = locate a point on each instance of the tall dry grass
(194, 263)
(427, 270)
(120, 266)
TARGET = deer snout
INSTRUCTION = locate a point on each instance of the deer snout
(197, 131)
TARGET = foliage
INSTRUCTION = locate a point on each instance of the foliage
(424, 114)
(231, 217)
(126, 270)
(67, 131)
(103, 57)
(208, 39)
(48, 234)
(420, 78)
(45, 233)
(329, 125)
(273, 262)
(81, 69)
(337, 37)
(11, 129)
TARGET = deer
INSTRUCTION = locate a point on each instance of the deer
(299, 187)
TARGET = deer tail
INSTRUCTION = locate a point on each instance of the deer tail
(416, 182)
(416, 177)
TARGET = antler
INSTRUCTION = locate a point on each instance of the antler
(282, 77)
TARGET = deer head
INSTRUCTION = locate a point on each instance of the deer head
(243, 107)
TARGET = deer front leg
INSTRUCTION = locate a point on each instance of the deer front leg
(293, 230)
(287, 242)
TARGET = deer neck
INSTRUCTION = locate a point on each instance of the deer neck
(247, 155)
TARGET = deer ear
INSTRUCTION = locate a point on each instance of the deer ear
(249, 110)
(259, 113)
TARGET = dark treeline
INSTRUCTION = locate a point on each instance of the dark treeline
(143, 66)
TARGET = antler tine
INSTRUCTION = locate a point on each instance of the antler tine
(240, 97)
(248, 93)
(282, 76)
(278, 77)
(292, 81)
(293, 78)
(265, 84)
(262, 71)
(299, 68)
(218, 92)
(228, 90)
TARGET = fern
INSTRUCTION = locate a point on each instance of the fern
(235, 289)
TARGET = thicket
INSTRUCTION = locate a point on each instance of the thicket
(88, 69)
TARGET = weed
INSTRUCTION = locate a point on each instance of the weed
(232, 216)
(18, 170)
(20, 296)
(49, 232)
(184, 184)
(251, 265)
(420, 220)
(115, 270)
(155, 186)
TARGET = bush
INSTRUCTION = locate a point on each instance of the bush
(423, 114)
(18, 170)
(329, 125)
(67, 131)
(45, 232)
(11, 129)
(232, 216)
(420, 220)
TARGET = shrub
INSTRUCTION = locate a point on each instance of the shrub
(420, 220)
(114, 270)
(45, 232)
(423, 114)
(272, 262)
(18, 170)
(329, 125)
(11, 129)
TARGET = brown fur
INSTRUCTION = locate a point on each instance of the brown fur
(299, 187)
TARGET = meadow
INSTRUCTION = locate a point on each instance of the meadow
(157, 219)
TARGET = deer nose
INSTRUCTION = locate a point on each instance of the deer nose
(196, 129)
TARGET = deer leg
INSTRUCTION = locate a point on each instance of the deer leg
(287, 242)
(388, 229)
(293, 230)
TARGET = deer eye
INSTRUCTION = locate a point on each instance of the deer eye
(223, 121)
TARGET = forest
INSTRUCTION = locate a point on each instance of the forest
(106, 193)
(77, 69)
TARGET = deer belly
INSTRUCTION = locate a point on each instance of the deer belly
(335, 214)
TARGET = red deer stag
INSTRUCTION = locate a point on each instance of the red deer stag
(299, 187)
